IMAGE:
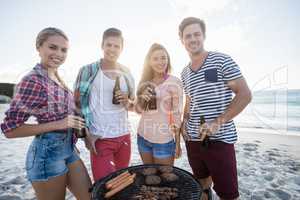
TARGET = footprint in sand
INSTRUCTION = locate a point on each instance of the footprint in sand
(261, 195)
(268, 195)
(281, 182)
(285, 145)
(274, 149)
(247, 154)
(10, 197)
(282, 195)
(274, 185)
(293, 166)
(4, 187)
(297, 180)
(19, 180)
(257, 197)
(245, 191)
(274, 154)
(250, 147)
(269, 177)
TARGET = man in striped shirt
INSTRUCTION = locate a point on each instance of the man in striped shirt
(209, 81)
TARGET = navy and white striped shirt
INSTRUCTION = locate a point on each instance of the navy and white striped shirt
(210, 95)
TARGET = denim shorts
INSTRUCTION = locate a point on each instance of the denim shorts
(49, 155)
(161, 151)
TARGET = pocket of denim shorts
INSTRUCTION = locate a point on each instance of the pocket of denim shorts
(30, 158)
(58, 149)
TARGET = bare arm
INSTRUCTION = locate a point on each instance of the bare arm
(128, 103)
(186, 111)
(131, 105)
(186, 115)
(176, 92)
(26, 130)
(141, 99)
(136, 106)
(31, 130)
(240, 101)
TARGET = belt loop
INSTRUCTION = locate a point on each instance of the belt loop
(70, 131)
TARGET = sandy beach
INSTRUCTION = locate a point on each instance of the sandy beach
(268, 166)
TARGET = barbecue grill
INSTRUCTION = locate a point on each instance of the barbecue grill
(187, 186)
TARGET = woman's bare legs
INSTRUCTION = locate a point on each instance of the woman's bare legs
(147, 158)
(164, 161)
(54, 188)
(78, 180)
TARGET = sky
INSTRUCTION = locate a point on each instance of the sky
(262, 36)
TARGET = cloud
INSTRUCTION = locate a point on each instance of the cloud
(201, 8)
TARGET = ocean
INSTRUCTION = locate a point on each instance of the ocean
(275, 110)
(278, 110)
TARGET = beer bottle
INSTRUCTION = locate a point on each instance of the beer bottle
(116, 88)
(205, 142)
(152, 101)
(202, 120)
(79, 133)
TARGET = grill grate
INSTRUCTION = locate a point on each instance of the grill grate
(188, 187)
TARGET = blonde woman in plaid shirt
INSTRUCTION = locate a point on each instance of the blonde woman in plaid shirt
(52, 164)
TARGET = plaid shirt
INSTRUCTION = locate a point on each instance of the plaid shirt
(83, 87)
(38, 96)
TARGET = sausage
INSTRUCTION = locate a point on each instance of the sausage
(117, 177)
(111, 182)
(120, 187)
(118, 181)
(121, 181)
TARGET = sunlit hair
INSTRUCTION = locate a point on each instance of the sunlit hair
(43, 36)
(191, 20)
(112, 32)
(48, 32)
(148, 72)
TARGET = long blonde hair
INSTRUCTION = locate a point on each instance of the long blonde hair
(43, 36)
(148, 72)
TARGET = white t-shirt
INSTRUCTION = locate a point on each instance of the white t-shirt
(109, 120)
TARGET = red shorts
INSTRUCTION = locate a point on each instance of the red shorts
(217, 161)
(112, 154)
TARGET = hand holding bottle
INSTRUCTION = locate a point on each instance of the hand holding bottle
(122, 97)
(208, 128)
(147, 94)
(71, 121)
